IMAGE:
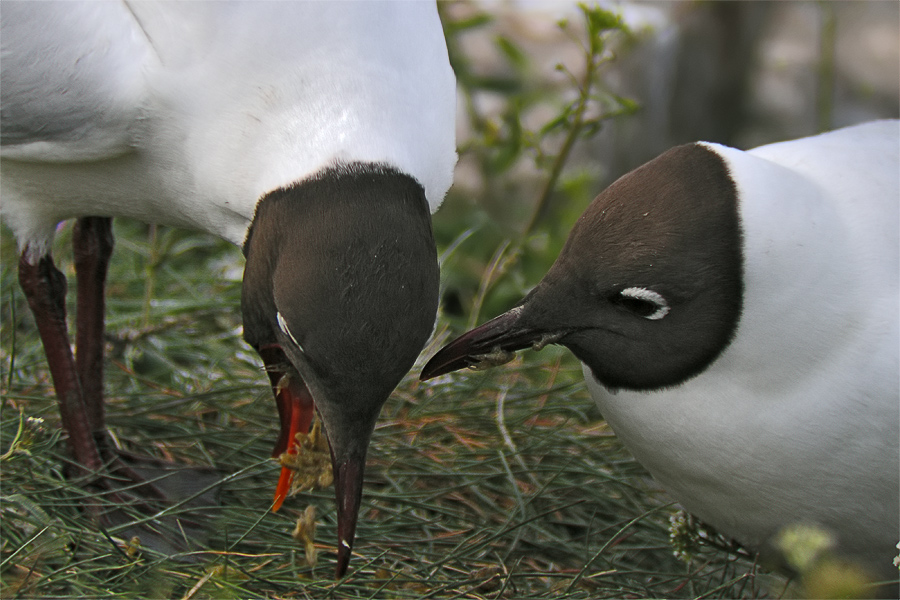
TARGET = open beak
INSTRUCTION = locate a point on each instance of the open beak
(488, 345)
(295, 409)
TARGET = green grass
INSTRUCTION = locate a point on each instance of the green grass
(503, 483)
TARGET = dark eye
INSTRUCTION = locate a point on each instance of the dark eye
(642, 303)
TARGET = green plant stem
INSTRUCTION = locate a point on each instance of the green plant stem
(584, 93)
(491, 273)
(150, 272)
(826, 67)
(12, 341)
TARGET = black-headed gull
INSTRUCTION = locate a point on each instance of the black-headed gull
(318, 136)
(737, 317)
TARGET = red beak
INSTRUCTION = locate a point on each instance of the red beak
(295, 409)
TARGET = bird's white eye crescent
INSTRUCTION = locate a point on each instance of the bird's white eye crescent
(283, 326)
(645, 303)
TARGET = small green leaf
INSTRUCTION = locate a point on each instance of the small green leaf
(473, 22)
(600, 20)
(512, 52)
(561, 120)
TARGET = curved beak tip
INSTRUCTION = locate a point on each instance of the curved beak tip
(343, 559)
(348, 492)
(490, 344)
(438, 366)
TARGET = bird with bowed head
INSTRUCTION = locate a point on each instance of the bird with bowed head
(736, 314)
(316, 136)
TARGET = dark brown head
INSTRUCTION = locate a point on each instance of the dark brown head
(342, 277)
(647, 291)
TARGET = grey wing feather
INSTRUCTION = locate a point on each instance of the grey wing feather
(72, 79)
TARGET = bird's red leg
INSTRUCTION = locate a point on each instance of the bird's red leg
(93, 244)
(45, 289)
(78, 377)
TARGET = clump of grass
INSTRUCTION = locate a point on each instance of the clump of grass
(491, 485)
(496, 484)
